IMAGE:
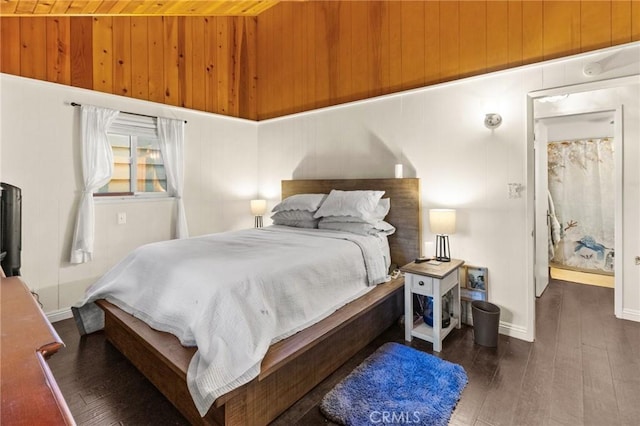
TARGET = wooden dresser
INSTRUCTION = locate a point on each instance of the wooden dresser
(30, 395)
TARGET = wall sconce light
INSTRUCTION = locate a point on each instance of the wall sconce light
(443, 224)
(258, 208)
(492, 120)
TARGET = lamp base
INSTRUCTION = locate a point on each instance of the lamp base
(442, 248)
(258, 222)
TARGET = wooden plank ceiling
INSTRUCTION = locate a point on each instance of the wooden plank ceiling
(299, 56)
(134, 7)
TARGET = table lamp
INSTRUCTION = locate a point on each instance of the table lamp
(258, 208)
(443, 224)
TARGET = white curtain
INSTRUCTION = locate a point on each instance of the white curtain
(581, 183)
(97, 168)
(171, 136)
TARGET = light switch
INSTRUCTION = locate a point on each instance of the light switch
(515, 190)
(122, 218)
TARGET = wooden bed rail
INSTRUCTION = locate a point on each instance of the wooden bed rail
(315, 351)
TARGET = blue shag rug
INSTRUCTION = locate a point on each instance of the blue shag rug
(396, 385)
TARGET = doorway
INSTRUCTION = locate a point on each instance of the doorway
(575, 168)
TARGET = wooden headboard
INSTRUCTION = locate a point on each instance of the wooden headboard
(404, 213)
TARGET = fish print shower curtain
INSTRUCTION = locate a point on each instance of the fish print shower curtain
(582, 191)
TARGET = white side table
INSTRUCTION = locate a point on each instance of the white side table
(434, 281)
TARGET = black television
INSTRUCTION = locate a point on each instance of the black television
(10, 228)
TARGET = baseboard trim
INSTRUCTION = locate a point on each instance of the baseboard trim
(59, 315)
(631, 315)
(515, 331)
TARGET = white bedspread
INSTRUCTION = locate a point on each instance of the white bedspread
(234, 294)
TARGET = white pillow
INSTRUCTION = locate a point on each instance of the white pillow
(379, 213)
(361, 228)
(309, 202)
(360, 204)
(382, 209)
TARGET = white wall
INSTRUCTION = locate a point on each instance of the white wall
(438, 134)
(40, 152)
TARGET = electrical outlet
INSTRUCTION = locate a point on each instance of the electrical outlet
(122, 218)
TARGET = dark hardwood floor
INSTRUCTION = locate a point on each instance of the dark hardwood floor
(583, 369)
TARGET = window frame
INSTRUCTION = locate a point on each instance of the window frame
(134, 126)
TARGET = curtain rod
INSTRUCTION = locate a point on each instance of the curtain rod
(75, 104)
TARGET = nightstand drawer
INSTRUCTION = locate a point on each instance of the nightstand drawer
(422, 285)
(448, 282)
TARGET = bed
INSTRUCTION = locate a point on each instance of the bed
(293, 366)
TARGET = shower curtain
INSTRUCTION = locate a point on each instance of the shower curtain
(581, 187)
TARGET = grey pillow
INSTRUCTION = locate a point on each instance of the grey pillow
(297, 223)
(308, 202)
(293, 215)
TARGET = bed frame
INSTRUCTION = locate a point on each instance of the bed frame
(293, 366)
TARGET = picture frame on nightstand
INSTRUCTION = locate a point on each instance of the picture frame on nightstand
(474, 285)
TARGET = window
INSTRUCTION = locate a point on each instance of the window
(138, 167)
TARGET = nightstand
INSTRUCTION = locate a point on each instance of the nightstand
(434, 281)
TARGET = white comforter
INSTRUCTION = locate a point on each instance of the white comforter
(234, 294)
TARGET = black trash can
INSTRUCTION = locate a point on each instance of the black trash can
(486, 319)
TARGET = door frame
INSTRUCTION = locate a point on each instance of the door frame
(618, 158)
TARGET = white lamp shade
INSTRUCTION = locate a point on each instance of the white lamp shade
(258, 207)
(442, 221)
